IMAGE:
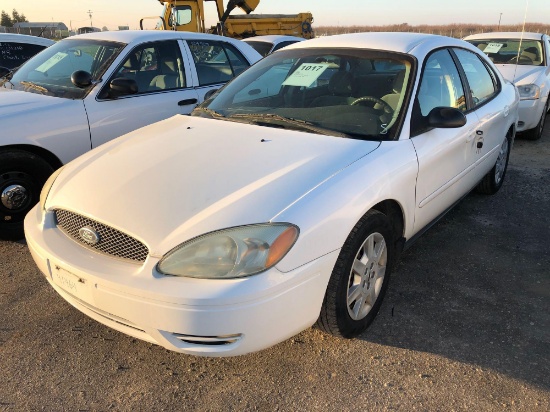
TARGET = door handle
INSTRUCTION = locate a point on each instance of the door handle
(473, 134)
(187, 102)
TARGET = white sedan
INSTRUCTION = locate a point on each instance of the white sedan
(236, 228)
(86, 90)
(268, 44)
(523, 59)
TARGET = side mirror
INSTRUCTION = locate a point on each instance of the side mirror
(446, 118)
(210, 93)
(122, 86)
(4, 71)
(81, 79)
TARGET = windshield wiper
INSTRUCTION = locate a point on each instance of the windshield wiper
(211, 112)
(270, 118)
(34, 86)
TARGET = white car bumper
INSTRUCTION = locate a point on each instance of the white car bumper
(530, 112)
(194, 316)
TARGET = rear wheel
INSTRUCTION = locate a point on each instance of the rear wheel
(493, 180)
(360, 277)
(22, 176)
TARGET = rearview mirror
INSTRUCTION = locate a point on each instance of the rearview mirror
(446, 118)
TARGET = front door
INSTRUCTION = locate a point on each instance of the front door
(446, 157)
(164, 90)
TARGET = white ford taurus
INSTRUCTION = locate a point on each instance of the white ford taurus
(283, 201)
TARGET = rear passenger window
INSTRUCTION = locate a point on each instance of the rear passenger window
(481, 79)
(440, 85)
(216, 62)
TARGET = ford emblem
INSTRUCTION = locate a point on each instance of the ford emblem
(89, 235)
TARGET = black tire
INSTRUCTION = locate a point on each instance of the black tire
(492, 181)
(536, 133)
(342, 314)
(22, 175)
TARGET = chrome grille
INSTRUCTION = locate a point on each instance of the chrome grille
(111, 241)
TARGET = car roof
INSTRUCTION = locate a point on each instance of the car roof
(25, 38)
(390, 41)
(132, 36)
(274, 38)
(505, 35)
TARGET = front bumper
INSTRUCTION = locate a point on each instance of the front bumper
(194, 316)
(530, 112)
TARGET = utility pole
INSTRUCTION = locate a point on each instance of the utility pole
(90, 14)
(499, 21)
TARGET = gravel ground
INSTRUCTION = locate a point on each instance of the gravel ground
(465, 326)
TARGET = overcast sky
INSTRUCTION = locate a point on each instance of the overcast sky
(112, 13)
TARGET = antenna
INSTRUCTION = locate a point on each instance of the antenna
(90, 14)
(520, 40)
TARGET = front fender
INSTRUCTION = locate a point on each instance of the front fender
(327, 214)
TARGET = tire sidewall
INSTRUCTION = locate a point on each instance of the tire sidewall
(371, 223)
(18, 161)
(497, 186)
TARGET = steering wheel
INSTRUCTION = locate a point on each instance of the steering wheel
(385, 106)
(522, 60)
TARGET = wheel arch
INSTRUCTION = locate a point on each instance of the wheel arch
(45, 154)
(392, 209)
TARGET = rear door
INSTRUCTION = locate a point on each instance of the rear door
(489, 106)
(215, 63)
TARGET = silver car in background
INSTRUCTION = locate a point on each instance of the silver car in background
(523, 59)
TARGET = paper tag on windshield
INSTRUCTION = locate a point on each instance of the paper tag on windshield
(306, 74)
(493, 48)
(52, 61)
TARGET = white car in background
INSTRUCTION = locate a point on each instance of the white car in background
(89, 89)
(16, 49)
(227, 231)
(268, 44)
(523, 59)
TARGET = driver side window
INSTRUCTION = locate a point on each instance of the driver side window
(440, 85)
(154, 67)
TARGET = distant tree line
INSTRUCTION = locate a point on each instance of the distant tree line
(7, 21)
(451, 30)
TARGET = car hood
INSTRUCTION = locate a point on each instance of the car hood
(15, 102)
(519, 74)
(185, 176)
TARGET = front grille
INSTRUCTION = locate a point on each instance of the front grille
(110, 241)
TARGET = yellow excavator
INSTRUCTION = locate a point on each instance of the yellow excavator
(188, 15)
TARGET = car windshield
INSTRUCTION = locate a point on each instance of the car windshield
(49, 72)
(512, 51)
(261, 47)
(340, 92)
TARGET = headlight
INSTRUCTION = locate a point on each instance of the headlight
(231, 253)
(529, 92)
(47, 186)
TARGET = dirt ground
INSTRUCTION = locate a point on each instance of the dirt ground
(465, 327)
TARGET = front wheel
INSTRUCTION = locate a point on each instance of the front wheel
(22, 176)
(492, 181)
(360, 277)
(536, 133)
